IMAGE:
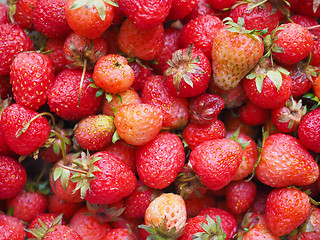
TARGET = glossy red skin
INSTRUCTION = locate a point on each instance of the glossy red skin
(145, 14)
(63, 96)
(221, 4)
(27, 205)
(3, 13)
(86, 21)
(56, 55)
(285, 162)
(259, 232)
(200, 81)
(46, 218)
(308, 130)
(171, 44)
(253, 115)
(124, 152)
(23, 14)
(269, 97)
(4, 148)
(174, 109)
(88, 227)
(13, 177)
(306, 21)
(180, 8)
(113, 183)
(315, 61)
(113, 74)
(57, 206)
(300, 82)
(228, 221)
(49, 18)
(12, 41)
(288, 38)
(142, 43)
(216, 162)
(119, 234)
(195, 134)
(30, 85)
(62, 232)
(193, 226)
(13, 120)
(240, 195)
(204, 109)
(141, 74)
(201, 8)
(304, 8)
(200, 31)
(11, 228)
(160, 161)
(259, 18)
(118, 17)
(286, 209)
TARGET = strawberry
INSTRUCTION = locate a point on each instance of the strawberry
(89, 19)
(21, 12)
(160, 161)
(306, 21)
(56, 54)
(216, 162)
(194, 134)
(200, 32)
(63, 96)
(202, 8)
(113, 74)
(49, 18)
(174, 109)
(141, 74)
(11, 228)
(235, 52)
(13, 177)
(286, 209)
(138, 124)
(94, 132)
(188, 73)
(27, 205)
(233, 98)
(166, 216)
(30, 88)
(12, 41)
(145, 14)
(221, 4)
(308, 130)
(145, 44)
(251, 114)
(285, 161)
(119, 234)
(3, 13)
(195, 204)
(87, 226)
(180, 8)
(308, 7)
(24, 129)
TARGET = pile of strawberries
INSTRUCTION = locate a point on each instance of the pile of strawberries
(159, 119)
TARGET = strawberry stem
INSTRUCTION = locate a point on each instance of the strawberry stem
(313, 27)
(63, 146)
(82, 77)
(258, 4)
(72, 169)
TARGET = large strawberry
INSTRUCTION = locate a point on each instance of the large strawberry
(24, 129)
(235, 52)
(11, 228)
(285, 161)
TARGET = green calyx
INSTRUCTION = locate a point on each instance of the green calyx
(212, 230)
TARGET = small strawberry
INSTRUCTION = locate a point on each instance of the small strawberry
(235, 52)
(11, 228)
(31, 76)
(285, 161)
(216, 162)
(166, 216)
(251, 114)
(145, 14)
(145, 44)
(24, 129)
(21, 12)
(94, 132)
(13, 177)
(12, 41)
(286, 209)
(160, 161)
(188, 73)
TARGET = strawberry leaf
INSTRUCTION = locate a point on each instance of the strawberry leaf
(101, 8)
(79, 4)
(315, 5)
(276, 77)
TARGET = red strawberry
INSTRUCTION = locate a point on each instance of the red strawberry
(25, 131)
(141, 74)
(13, 177)
(63, 96)
(11, 228)
(145, 14)
(222, 4)
(306, 21)
(180, 8)
(308, 130)
(49, 18)
(307, 7)
(235, 52)
(94, 132)
(216, 162)
(251, 114)
(23, 12)
(160, 161)
(59, 232)
(56, 54)
(285, 161)
(202, 7)
(12, 41)
(119, 234)
(286, 209)
(3, 13)
(31, 76)
(174, 109)
(188, 73)
(89, 19)
(141, 43)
